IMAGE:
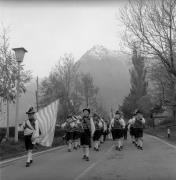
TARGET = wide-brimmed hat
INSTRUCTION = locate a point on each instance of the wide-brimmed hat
(31, 111)
(118, 112)
(86, 109)
(69, 116)
(138, 111)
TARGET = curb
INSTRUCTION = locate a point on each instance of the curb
(2, 163)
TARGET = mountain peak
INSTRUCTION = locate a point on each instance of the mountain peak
(98, 51)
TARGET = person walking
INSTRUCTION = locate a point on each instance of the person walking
(68, 126)
(87, 132)
(139, 123)
(117, 126)
(31, 131)
(97, 134)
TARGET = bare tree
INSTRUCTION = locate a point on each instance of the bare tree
(62, 84)
(89, 91)
(151, 23)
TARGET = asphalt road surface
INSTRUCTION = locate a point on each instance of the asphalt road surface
(156, 162)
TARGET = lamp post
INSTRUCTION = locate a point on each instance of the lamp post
(19, 53)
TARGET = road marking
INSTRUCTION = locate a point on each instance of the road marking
(34, 154)
(163, 141)
(92, 165)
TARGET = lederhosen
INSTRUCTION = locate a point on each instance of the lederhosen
(125, 131)
(69, 132)
(117, 130)
(102, 129)
(138, 128)
(28, 138)
(76, 132)
(132, 130)
(97, 133)
(85, 136)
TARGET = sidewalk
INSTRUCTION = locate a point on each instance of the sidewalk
(161, 132)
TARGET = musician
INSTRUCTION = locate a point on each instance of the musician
(131, 128)
(105, 131)
(102, 131)
(139, 123)
(117, 126)
(98, 128)
(76, 133)
(87, 132)
(68, 126)
(31, 132)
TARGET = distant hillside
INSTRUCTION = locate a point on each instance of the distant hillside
(110, 72)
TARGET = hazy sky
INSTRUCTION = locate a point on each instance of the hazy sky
(49, 30)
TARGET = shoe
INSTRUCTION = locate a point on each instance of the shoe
(69, 150)
(141, 148)
(138, 147)
(87, 159)
(84, 157)
(27, 164)
(31, 161)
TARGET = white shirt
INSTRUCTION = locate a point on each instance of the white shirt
(30, 130)
(130, 122)
(121, 121)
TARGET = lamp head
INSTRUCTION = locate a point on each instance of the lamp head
(19, 53)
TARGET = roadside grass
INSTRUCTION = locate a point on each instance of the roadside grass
(161, 132)
(10, 149)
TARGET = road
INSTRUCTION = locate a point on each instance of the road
(156, 162)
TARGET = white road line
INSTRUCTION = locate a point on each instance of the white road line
(163, 141)
(92, 165)
(35, 154)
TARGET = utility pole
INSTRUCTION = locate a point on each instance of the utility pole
(17, 104)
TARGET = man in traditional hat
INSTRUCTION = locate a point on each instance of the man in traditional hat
(131, 127)
(76, 133)
(68, 126)
(102, 130)
(30, 128)
(87, 132)
(97, 134)
(139, 123)
(117, 126)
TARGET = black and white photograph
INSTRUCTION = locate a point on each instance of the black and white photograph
(87, 89)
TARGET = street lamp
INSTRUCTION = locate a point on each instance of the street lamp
(19, 53)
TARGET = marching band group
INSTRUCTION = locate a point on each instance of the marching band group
(80, 131)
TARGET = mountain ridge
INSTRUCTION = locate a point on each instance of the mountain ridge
(110, 72)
